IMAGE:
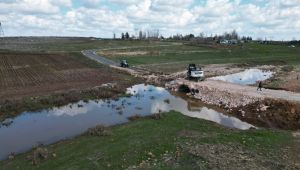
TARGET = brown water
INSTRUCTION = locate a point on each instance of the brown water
(48, 126)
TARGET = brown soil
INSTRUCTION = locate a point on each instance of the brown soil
(24, 74)
(292, 81)
(270, 113)
(286, 79)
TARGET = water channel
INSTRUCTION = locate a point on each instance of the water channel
(29, 129)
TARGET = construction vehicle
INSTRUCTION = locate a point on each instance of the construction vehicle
(194, 73)
(124, 63)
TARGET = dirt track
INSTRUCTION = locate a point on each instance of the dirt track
(242, 90)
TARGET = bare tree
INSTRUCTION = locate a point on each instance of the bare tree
(234, 35)
(153, 34)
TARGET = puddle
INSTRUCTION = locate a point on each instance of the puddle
(247, 77)
(48, 126)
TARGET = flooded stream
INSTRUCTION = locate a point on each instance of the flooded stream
(48, 126)
(247, 77)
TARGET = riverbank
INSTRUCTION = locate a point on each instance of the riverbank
(168, 141)
(266, 108)
(140, 101)
(10, 108)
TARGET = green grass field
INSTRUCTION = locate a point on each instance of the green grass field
(179, 55)
(66, 44)
(163, 55)
(172, 142)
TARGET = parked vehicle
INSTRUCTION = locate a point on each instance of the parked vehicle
(195, 73)
(124, 63)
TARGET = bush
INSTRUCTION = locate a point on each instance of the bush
(134, 117)
(184, 88)
(287, 68)
(99, 130)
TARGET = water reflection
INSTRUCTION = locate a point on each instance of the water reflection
(247, 77)
(48, 126)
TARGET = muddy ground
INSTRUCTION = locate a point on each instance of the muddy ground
(286, 78)
(270, 113)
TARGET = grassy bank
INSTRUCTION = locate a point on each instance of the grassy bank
(172, 142)
(14, 107)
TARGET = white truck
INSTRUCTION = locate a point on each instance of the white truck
(194, 73)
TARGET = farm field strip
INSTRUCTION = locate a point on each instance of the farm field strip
(24, 73)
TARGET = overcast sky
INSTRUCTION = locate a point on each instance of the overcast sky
(275, 19)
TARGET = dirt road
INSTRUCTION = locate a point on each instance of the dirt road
(149, 76)
(93, 55)
(252, 91)
(231, 95)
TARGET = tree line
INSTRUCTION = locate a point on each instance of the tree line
(142, 35)
(201, 38)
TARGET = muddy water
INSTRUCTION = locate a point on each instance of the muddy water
(33, 128)
(247, 77)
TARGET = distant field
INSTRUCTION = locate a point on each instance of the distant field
(23, 74)
(176, 57)
(66, 44)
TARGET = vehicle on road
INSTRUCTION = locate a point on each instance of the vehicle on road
(124, 63)
(194, 73)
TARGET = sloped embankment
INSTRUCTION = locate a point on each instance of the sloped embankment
(267, 108)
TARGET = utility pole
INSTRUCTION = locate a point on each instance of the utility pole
(1, 30)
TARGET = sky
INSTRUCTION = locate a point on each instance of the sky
(271, 19)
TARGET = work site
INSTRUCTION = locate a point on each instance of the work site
(146, 99)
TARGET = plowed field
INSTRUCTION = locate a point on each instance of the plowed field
(27, 74)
